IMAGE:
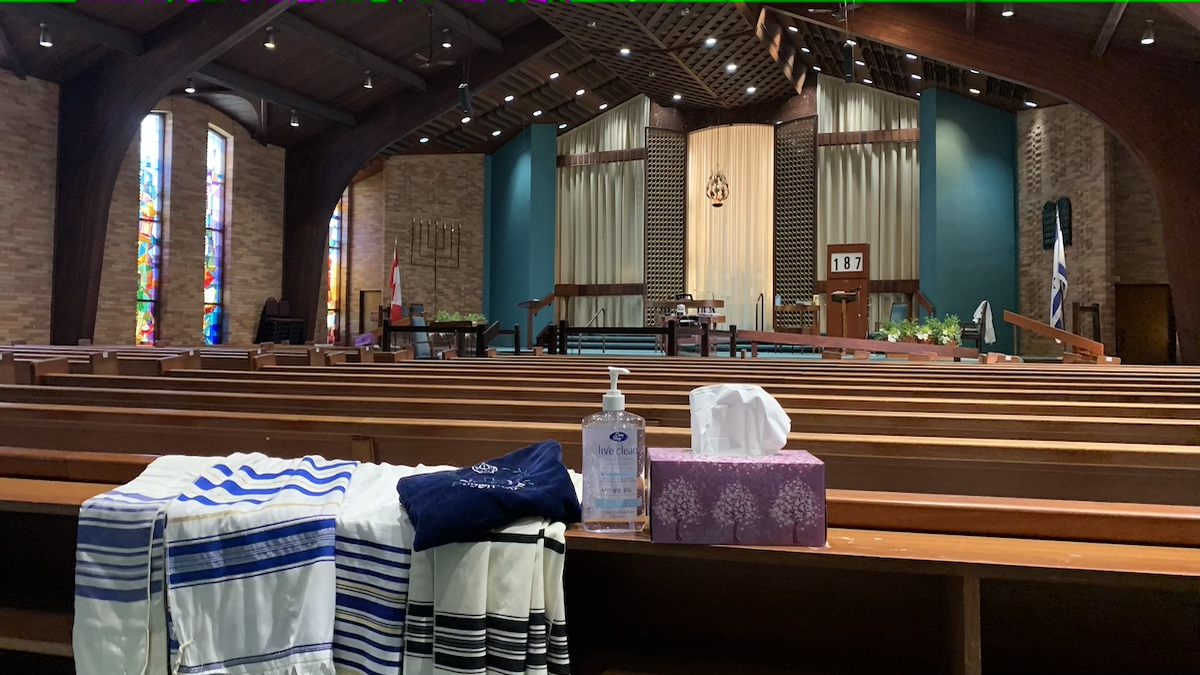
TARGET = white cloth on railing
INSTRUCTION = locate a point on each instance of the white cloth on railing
(983, 317)
(250, 566)
(493, 606)
(120, 615)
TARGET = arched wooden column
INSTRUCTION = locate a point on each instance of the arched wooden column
(1153, 108)
(318, 171)
(100, 112)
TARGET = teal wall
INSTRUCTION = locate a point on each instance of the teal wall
(968, 209)
(519, 209)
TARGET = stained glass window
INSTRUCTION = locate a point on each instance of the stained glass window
(214, 240)
(333, 299)
(149, 228)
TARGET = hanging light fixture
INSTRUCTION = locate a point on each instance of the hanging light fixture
(269, 42)
(44, 39)
(1148, 33)
(295, 119)
(717, 189)
(1008, 10)
(368, 84)
(190, 87)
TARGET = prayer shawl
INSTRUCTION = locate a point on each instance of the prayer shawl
(494, 606)
(250, 566)
(120, 615)
(1058, 278)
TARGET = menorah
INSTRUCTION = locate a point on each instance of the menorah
(436, 244)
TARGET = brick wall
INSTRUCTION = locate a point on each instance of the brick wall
(116, 314)
(434, 187)
(1063, 151)
(28, 147)
(1141, 258)
(254, 268)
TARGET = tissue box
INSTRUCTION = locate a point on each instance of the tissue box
(774, 500)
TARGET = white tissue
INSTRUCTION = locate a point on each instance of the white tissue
(739, 420)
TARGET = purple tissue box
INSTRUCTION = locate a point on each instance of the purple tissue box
(775, 500)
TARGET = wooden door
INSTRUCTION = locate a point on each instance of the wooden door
(1145, 324)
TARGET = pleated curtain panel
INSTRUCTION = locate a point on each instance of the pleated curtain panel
(601, 215)
(868, 192)
(729, 249)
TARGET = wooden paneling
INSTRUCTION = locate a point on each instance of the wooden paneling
(632, 155)
(862, 137)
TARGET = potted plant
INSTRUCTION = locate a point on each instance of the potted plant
(890, 331)
(908, 330)
(951, 331)
(925, 330)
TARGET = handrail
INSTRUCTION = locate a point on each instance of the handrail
(1078, 342)
(603, 339)
(760, 310)
(598, 313)
(923, 303)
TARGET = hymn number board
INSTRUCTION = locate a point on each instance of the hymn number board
(847, 288)
(845, 262)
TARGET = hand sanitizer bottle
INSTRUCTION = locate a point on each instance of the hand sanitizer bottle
(614, 465)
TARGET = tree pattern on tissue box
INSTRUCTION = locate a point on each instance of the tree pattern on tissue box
(679, 503)
(795, 505)
(735, 506)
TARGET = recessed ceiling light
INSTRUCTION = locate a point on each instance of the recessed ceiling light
(625, 51)
(563, 125)
(918, 94)
(295, 118)
(591, 24)
(973, 90)
(466, 120)
(915, 76)
(974, 71)
(509, 98)
(851, 42)
(710, 42)
(859, 62)
(44, 39)
(678, 97)
(911, 57)
(446, 45)
(1148, 33)
(1008, 10)
(731, 68)
(751, 90)
(817, 68)
(424, 139)
(603, 106)
(537, 113)
(554, 76)
(793, 29)
(1030, 104)
(368, 83)
(867, 81)
(806, 50)
(580, 92)
(496, 132)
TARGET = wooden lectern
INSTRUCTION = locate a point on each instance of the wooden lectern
(847, 289)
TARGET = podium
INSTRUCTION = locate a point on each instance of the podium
(847, 285)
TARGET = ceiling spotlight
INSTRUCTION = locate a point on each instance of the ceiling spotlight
(973, 90)
(591, 24)
(466, 119)
(677, 97)
(269, 42)
(1030, 104)
(911, 57)
(793, 29)
(580, 92)
(625, 51)
(751, 90)
(710, 42)
(424, 139)
(851, 42)
(817, 68)
(867, 81)
(446, 45)
(190, 87)
(1008, 10)
(603, 106)
(806, 50)
(537, 113)
(918, 94)
(496, 132)
(563, 125)
(295, 119)
(44, 39)
(509, 98)
(915, 76)
(1148, 33)
(685, 11)
(974, 71)
(731, 68)
(859, 62)
(554, 76)
(368, 84)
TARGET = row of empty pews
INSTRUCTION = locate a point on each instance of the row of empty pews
(983, 518)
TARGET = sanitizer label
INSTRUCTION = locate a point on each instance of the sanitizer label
(612, 486)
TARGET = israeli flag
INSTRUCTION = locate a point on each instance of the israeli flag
(1058, 282)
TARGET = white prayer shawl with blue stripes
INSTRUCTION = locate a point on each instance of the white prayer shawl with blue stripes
(372, 572)
(250, 566)
(495, 606)
(1058, 279)
(120, 616)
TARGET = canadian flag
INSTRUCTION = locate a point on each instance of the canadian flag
(396, 312)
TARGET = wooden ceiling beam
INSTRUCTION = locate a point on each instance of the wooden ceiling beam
(346, 49)
(99, 115)
(318, 171)
(674, 57)
(93, 29)
(225, 77)
(464, 25)
(10, 55)
(1110, 27)
(774, 36)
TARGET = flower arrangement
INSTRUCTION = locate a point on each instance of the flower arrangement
(446, 317)
(944, 331)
